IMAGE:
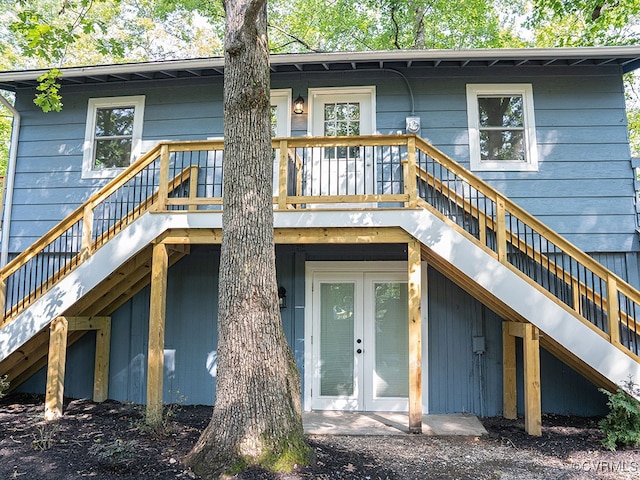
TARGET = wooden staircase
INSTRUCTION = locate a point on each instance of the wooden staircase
(99, 256)
(114, 291)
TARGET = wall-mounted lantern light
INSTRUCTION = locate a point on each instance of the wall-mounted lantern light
(298, 105)
(282, 297)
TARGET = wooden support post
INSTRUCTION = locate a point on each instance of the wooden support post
(532, 406)
(3, 299)
(415, 337)
(410, 173)
(193, 187)
(102, 326)
(509, 395)
(157, 310)
(501, 230)
(613, 315)
(163, 185)
(55, 369)
(282, 175)
(101, 367)
(87, 232)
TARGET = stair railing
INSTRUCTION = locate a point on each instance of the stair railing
(601, 299)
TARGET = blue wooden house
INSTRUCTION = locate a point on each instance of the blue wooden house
(456, 231)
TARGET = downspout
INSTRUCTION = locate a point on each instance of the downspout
(9, 181)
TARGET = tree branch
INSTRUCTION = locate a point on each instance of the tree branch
(396, 27)
(295, 39)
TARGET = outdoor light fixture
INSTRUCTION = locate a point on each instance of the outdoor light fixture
(282, 297)
(298, 105)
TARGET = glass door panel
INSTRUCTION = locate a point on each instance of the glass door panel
(387, 332)
(337, 301)
(336, 339)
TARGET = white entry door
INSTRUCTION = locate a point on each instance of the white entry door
(360, 341)
(341, 170)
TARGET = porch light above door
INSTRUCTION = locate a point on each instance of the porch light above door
(298, 105)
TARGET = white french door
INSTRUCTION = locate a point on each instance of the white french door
(359, 341)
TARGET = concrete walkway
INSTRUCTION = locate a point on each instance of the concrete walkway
(383, 423)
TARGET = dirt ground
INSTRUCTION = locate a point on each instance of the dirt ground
(109, 441)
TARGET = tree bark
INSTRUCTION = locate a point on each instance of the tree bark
(257, 413)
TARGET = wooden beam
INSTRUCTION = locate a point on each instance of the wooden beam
(55, 370)
(532, 405)
(509, 396)
(157, 311)
(341, 235)
(88, 323)
(415, 336)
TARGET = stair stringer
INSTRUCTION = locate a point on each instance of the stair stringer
(69, 290)
(495, 279)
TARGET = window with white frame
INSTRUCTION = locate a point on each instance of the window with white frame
(113, 134)
(502, 132)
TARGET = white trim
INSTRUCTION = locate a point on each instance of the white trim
(9, 180)
(369, 91)
(531, 150)
(281, 98)
(135, 101)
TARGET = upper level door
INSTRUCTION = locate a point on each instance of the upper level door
(348, 170)
(280, 127)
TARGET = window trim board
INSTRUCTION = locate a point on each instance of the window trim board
(135, 101)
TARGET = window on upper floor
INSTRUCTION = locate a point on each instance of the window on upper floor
(502, 132)
(113, 135)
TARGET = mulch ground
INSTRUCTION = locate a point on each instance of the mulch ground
(109, 441)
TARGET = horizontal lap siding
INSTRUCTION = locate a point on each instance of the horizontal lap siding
(459, 379)
(48, 182)
(580, 119)
(584, 186)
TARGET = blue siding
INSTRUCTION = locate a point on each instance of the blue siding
(460, 380)
(580, 118)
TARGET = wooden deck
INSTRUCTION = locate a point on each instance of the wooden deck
(371, 189)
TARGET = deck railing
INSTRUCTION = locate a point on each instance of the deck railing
(398, 171)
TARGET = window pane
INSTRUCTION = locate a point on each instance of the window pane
(342, 119)
(501, 111)
(114, 121)
(112, 153)
(502, 145)
(274, 120)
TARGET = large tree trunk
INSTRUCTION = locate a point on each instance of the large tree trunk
(257, 413)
